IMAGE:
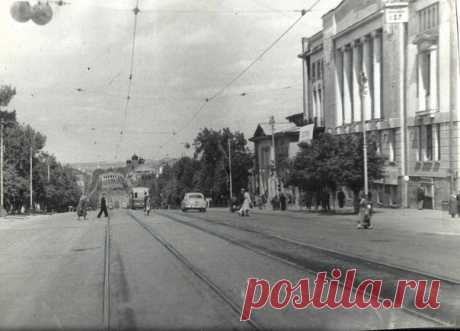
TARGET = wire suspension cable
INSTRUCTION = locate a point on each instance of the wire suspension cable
(243, 72)
(136, 11)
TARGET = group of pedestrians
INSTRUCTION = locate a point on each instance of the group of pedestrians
(83, 205)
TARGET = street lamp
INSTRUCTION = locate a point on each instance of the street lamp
(31, 171)
(230, 169)
(2, 199)
(363, 89)
(272, 124)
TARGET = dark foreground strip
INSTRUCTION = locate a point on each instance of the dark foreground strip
(106, 290)
(219, 292)
(313, 259)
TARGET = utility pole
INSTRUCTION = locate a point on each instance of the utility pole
(230, 168)
(272, 124)
(363, 92)
(2, 200)
(31, 174)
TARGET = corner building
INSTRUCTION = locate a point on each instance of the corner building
(411, 104)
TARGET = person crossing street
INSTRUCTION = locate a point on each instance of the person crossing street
(103, 207)
(246, 205)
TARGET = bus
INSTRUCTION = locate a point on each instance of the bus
(136, 197)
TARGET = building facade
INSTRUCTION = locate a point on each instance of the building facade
(285, 138)
(405, 54)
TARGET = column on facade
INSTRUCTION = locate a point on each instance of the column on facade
(339, 86)
(320, 104)
(367, 69)
(314, 101)
(357, 68)
(306, 78)
(347, 85)
(377, 74)
(433, 77)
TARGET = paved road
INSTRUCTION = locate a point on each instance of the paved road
(176, 270)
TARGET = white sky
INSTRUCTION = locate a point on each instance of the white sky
(185, 52)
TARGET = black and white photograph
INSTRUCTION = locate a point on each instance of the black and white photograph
(229, 165)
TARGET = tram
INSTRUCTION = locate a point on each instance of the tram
(136, 196)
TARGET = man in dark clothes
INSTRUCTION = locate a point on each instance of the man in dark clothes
(341, 198)
(283, 201)
(420, 196)
(103, 207)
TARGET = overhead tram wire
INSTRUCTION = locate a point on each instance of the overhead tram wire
(241, 73)
(136, 11)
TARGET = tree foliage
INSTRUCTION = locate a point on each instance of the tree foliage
(20, 141)
(207, 171)
(333, 160)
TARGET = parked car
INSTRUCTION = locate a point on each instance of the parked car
(194, 201)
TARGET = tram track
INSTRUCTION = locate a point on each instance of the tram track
(106, 281)
(314, 259)
(195, 271)
(341, 255)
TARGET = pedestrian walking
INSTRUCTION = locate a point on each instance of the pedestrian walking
(453, 209)
(420, 197)
(145, 201)
(103, 207)
(341, 198)
(82, 207)
(283, 201)
(147, 206)
(458, 203)
(365, 213)
(246, 205)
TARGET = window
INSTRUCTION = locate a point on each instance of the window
(429, 142)
(437, 142)
(391, 146)
(428, 18)
(313, 72)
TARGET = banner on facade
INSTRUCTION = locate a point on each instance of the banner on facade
(306, 133)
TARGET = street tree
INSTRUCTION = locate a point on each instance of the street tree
(211, 150)
(20, 143)
(333, 160)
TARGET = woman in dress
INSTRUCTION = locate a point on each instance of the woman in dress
(244, 211)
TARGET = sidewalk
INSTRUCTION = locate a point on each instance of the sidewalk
(410, 220)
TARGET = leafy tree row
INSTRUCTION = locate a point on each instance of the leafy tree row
(54, 192)
(208, 171)
(331, 161)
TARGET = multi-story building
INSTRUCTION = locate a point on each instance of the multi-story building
(408, 54)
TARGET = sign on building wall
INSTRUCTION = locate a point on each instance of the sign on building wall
(306, 133)
(396, 14)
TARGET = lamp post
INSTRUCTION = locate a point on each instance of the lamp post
(363, 89)
(272, 125)
(31, 171)
(230, 168)
(2, 199)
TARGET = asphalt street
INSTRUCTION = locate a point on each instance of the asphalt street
(174, 270)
